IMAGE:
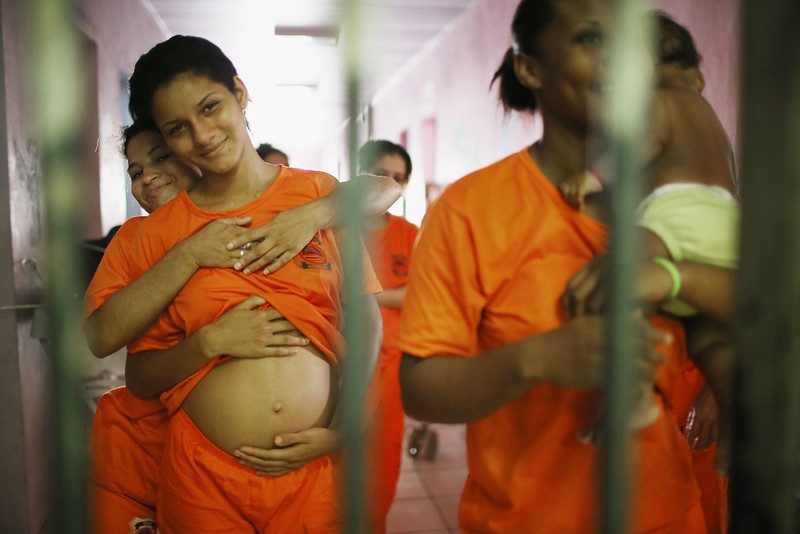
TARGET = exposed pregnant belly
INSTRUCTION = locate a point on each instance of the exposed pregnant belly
(250, 401)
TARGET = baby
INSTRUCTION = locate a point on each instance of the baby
(691, 209)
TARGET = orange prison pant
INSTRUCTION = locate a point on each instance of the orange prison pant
(115, 513)
(386, 443)
(205, 490)
(126, 443)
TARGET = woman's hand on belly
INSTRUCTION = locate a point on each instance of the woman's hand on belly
(291, 452)
(247, 332)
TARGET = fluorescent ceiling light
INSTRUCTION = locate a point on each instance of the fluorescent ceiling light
(322, 35)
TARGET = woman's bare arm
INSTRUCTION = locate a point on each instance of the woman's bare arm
(281, 239)
(706, 288)
(373, 331)
(392, 298)
(243, 332)
(126, 314)
(450, 389)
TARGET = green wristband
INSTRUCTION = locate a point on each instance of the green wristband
(674, 273)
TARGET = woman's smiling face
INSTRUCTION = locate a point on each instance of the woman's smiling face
(157, 175)
(202, 121)
(569, 71)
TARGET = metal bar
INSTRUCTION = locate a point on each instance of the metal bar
(355, 378)
(628, 101)
(59, 97)
(766, 425)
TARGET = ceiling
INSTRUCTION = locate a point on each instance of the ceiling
(295, 78)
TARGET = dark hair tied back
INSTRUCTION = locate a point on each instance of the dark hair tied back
(530, 20)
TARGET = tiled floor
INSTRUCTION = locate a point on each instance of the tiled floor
(428, 491)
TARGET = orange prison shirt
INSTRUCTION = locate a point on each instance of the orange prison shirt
(113, 273)
(305, 291)
(207, 491)
(494, 256)
(390, 249)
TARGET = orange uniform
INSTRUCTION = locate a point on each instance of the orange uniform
(114, 271)
(127, 432)
(390, 249)
(495, 254)
(305, 500)
(305, 292)
(126, 446)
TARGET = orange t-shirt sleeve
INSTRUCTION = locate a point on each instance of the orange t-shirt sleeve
(444, 301)
(113, 273)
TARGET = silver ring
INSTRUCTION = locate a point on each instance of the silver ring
(241, 252)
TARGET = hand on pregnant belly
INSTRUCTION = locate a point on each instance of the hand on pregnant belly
(247, 332)
(291, 452)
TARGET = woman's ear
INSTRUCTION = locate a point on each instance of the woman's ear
(701, 81)
(240, 92)
(527, 71)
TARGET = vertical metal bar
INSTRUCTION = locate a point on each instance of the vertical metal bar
(59, 97)
(766, 424)
(628, 100)
(355, 364)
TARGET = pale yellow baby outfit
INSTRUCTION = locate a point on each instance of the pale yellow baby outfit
(696, 222)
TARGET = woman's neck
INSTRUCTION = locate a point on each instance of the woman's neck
(560, 153)
(241, 185)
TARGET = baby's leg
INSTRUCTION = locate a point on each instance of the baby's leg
(710, 346)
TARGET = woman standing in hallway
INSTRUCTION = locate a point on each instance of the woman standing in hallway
(485, 340)
(390, 240)
(191, 92)
(128, 433)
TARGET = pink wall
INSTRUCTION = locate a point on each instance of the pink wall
(449, 83)
(121, 30)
